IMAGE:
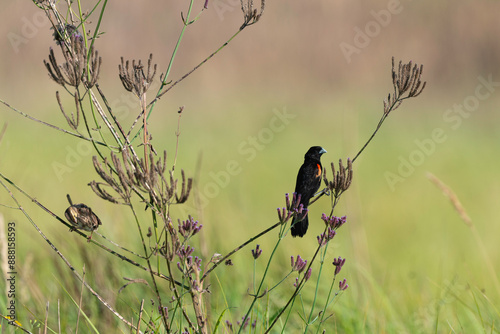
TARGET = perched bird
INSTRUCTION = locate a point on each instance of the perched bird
(82, 218)
(308, 182)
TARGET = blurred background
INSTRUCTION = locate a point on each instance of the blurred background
(308, 73)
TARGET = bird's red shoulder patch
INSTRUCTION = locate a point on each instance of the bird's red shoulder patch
(319, 170)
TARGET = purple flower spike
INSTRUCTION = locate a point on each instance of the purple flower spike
(324, 238)
(244, 321)
(333, 222)
(188, 227)
(197, 261)
(331, 233)
(299, 265)
(256, 252)
(338, 263)
(308, 274)
(321, 239)
(185, 252)
(343, 285)
(229, 325)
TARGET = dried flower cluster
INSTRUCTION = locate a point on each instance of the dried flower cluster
(73, 121)
(341, 179)
(292, 208)
(79, 67)
(407, 79)
(134, 79)
(250, 13)
(131, 174)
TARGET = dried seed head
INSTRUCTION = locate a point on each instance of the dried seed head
(342, 179)
(72, 121)
(134, 79)
(406, 79)
(74, 70)
(185, 189)
(250, 14)
(127, 174)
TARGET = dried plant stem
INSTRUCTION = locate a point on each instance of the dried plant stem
(197, 298)
(177, 134)
(119, 246)
(145, 141)
(160, 93)
(141, 309)
(96, 123)
(52, 126)
(105, 119)
(108, 107)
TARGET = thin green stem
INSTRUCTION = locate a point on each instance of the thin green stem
(322, 262)
(256, 296)
(327, 303)
(295, 293)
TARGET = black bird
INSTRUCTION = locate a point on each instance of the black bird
(308, 182)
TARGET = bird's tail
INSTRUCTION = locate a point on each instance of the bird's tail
(299, 227)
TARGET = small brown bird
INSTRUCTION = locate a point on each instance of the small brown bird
(82, 218)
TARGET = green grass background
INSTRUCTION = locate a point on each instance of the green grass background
(412, 265)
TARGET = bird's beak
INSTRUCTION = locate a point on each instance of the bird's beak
(322, 151)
